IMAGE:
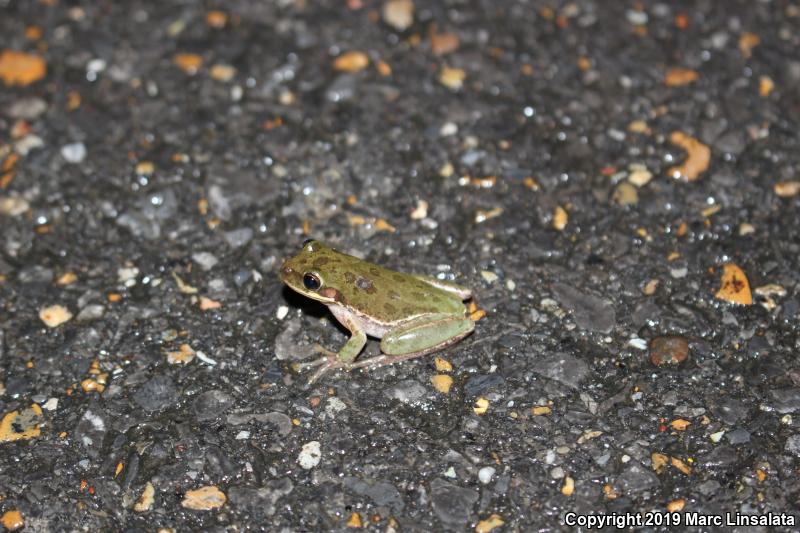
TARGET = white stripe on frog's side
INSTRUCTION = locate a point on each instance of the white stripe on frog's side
(369, 326)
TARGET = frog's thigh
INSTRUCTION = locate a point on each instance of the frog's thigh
(426, 334)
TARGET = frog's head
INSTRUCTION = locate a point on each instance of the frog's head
(306, 273)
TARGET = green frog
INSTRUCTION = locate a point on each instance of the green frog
(412, 315)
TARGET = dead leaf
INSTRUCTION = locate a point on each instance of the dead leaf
(697, 161)
(19, 68)
(678, 77)
(735, 288)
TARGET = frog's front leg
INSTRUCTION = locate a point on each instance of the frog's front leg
(344, 358)
(419, 337)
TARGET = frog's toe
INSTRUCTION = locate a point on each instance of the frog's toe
(329, 364)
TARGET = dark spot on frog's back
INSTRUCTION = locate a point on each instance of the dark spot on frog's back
(374, 271)
(399, 278)
(349, 277)
(393, 295)
(365, 284)
(319, 262)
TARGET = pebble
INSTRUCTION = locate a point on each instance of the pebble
(668, 350)
(205, 260)
(563, 368)
(590, 312)
(310, 455)
(28, 108)
(260, 501)
(156, 394)
(210, 404)
(793, 445)
(452, 504)
(738, 436)
(637, 479)
(238, 237)
(74, 152)
(485, 474)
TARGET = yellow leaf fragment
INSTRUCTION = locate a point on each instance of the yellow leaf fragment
(12, 520)
(452, 78)
(442, 383)
(787, 189)
(748, 41)
(676, 505)
(734, 287)
(54, 315)
(481, 406)
(680, 424)
(21, 425)
(355, 521)
(204, 498)
(145, 502)
(443, 365)
(680, 465)
(678, 77)
(353, 61)
(568, 488)
(658, 461)
(19, 68)
(489, 524)
(189, 63)
(697, 160)
(560, 218)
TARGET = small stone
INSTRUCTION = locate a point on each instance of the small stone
(211, 404)
(668, 350)
(74, 152)
(738, 436)
(452, 504)
(204, 499)
(27, 108)
(156, 394)
(91, 312)
(590, 312)
(563, 368)
(238, 237)
(399, 14)
(485, 474)
(310, 455)
(793, 445)
(54, 315)
(205, 260)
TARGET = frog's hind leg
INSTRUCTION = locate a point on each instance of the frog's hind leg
(446, 286)
(420, 337)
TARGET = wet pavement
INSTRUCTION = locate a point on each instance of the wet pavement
(617, 182)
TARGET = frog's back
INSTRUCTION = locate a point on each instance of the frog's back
(388, 295)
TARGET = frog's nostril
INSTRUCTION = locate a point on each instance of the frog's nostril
(287, 269)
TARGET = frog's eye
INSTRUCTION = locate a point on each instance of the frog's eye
(308, 245)
(311, 281)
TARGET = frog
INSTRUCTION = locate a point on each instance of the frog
(412, 315)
